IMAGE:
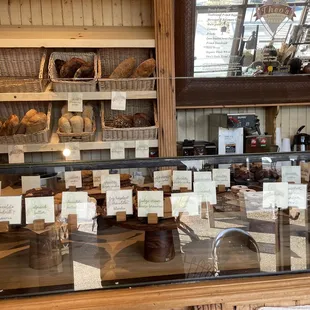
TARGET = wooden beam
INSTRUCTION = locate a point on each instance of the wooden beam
(164, 41)
(271, 121)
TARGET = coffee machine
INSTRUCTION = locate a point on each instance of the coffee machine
(301, 141)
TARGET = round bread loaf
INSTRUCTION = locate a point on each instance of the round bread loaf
(64, 125)
(145, 69)
(77, 124)
(124, 69)
(36, 123)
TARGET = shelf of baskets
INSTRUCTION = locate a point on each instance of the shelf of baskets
(76, 37)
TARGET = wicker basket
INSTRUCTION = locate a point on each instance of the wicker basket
(23, 70)
(132, 107)
(110, 58)
(20, 109)
(78, 85)
(78, 137)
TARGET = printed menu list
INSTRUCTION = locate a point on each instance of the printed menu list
(150, 202)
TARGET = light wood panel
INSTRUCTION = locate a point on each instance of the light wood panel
(77, 12)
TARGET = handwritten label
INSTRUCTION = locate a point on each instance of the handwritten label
(280, 191)
(162, 178)
(119, 201)
(11, 209)
(117, 150)
(73, 178)
(74, 148)
(16, 154)
(74, 203)
(142, 149)
(202, 176)
(297, 196)
(118, 100)
(75, 102)
(150, 202)
(304, 171)
(111, 182)
(186, 203)
(221, 177)
(259, 201)
(182, 179)
(40, 208)
(207, 189)
(291, 174)
(97, 176)
(30, 182)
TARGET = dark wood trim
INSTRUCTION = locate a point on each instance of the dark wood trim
(240, 91)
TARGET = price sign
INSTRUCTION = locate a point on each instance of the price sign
(75, 102)
(118, 101)
(16, 154)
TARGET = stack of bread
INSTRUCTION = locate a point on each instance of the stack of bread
(128, 121)
(72, 122)
(31, 123)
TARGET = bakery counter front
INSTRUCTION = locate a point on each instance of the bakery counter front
(81, 226)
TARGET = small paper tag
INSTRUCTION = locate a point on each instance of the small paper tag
(150, 202)
(74, 203)
(221, 177)
(73, 150)
(75, 102)
(110, 182)
(11, 209)
(97, 176)
(119, 201)
(118, 100)
(16, 154)
(162, 178)
(280, 191)
(291, 174)
(207, 189)
(40, 208)
(73, 178)
(182, 179)
(202, 176)
(297, 196)
(259, 201)
(185, 202)
(30, 182)
(142, 149)
(117, 150)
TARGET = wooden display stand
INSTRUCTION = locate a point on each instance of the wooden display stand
(152, 218)
(121, 216)
(4, 227)
(210, 211)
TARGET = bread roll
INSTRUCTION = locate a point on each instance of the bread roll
(88, 125)
(36, 123)
(88, 111)
(64, 125)
(64, 109)
(68, 115)
(10, 126)
(69, 68)
(124, 69)
(24, 122)
(145, 69)
(77, 124)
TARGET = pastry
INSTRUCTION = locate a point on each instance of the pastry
(88, 111)
(88, 125)
(24, 121)
(141, 120)
(68, 70)
(123, 121)
(10, 126)
(77, 124)
(64, 125)
(145, 69)
(68, 115)
(124, 69)
(64, 109)
(86, 71)
(36, 123)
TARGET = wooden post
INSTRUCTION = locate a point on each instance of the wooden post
(38, 225)
(203, 211)
(211, 215)
(221, 188)
(72, 222)
(4, 227)
(121, 216)
(167, 208)
(165, 59)
(271, 121)
(152, 218)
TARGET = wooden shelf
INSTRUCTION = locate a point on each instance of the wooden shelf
(75, 37)
(55, 146)
(51, 96)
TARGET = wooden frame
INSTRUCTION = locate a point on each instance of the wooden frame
(241, 91)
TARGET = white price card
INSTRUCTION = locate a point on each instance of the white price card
(72, 151)
(162, 178)
(207, 189)
(75, 102)
(202, 176)
(97, 176)
(280, 191)
(142, 149)
(221, 177)
(291, 174)
(119, 201)
(118, 100)
(74, 203)
(16, 154)
(259, 201)
(11, 209)
(73, 178)
(117, 150)
(30, 182)
(182, 179)
(186, 203)
(111, 182)
(40, 208)
(297, 196)
(150, 202)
